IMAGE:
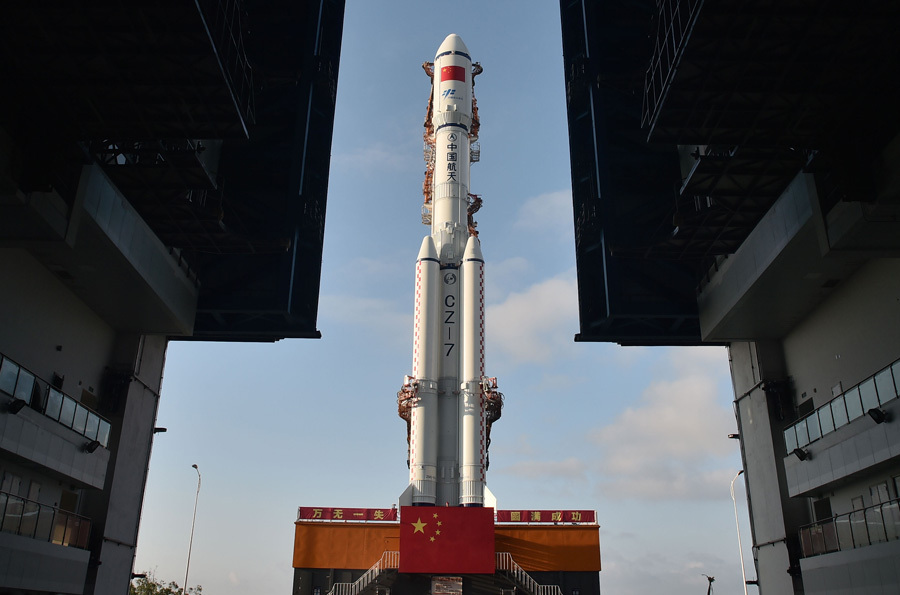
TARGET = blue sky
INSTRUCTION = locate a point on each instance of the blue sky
(638, 434)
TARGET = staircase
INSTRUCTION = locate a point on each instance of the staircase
(391, 561)
(508, 566)
(388, 561)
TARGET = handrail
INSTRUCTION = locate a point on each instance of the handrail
(21, 383)
(21, 516)
(859, 528)
(389, 560)
(506, 563)
(872, 392)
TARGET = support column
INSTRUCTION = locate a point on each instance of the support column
(130, 400)
(763, 406)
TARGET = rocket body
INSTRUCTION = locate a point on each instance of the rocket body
(445, 396)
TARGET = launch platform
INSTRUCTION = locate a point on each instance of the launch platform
(357, 551)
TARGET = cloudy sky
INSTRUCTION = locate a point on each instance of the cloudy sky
(637, 434)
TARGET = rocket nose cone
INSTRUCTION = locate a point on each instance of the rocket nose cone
(453, 43)
(427, 251)
(473, 249)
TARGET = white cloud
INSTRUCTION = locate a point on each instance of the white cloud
(502, 276)
(233, 578)
(658, 572)
(672, 444)
(536, 325)
(669, 443)
(550, 213)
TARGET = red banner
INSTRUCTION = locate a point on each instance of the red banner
(453, 73)
(546, 516)
(445, 540)
(305, 513)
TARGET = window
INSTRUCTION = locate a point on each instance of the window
(822, 509)
(857, 503)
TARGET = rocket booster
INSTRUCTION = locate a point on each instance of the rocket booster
(447, 401)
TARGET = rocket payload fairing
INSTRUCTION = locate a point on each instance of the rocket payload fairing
(447, 401)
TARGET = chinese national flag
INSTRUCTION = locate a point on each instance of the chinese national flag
(453, 73)
(439, 540)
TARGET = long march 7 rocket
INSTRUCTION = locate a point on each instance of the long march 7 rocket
(448, 402)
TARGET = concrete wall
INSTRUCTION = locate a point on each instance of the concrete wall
(46, 329)
(33, 565)
(863, 571)
(850, 336)
(51, 446)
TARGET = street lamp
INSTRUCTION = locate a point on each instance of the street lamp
(194, 520)
(738, 527)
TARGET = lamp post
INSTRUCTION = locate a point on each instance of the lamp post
(738, 527)
(194, 520)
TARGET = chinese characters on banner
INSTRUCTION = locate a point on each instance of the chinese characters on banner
(546, 516)
(305, 513)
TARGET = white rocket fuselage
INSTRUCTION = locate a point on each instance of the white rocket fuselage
(447, 417)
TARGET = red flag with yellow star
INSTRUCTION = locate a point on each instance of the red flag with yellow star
(453, 73)
(439, 540)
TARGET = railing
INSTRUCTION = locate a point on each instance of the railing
(27, 518)
(224, 19)
(869, 394)
(675, 21)
(389, 560)
(506, 563)
(21, 384)
(860, 528)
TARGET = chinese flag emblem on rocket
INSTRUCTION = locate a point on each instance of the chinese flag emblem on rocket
(447, 540)
(453, 73)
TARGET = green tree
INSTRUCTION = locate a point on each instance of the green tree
(150, 585)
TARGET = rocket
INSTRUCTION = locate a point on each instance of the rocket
(448, 402)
